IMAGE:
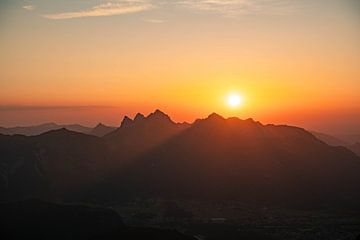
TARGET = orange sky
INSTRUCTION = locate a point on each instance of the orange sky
(294, 62)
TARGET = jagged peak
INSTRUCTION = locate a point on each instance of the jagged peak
(211, 118)
(100, 125)
(60, 131)
(157, 112)
(63, 129)
(215, 116)
(126, 122)
(251, 120)
(139, 117)
(158, 115)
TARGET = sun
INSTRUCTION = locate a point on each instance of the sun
(234, 100)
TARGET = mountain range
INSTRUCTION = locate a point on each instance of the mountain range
(351, 142)
(99, 130)
(154, 157)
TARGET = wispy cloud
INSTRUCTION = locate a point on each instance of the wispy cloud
(154, 20)
(105, 9)
(234, 8)
(230, 8)
(29, 7)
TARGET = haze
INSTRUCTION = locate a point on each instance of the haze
(293, 62)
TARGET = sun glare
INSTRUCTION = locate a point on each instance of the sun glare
(234, 100)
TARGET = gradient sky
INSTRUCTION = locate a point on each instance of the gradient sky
(294, 62)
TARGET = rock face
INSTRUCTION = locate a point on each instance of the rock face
(34, 219)
(152, 156)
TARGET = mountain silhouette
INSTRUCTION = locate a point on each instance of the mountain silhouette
(328, 139)
(212, 158)
(138, 135)
(58, 161)
(333, 141)
(355, 148)
(243, 159)
(42, 128)
(349, 138)
(101, 130)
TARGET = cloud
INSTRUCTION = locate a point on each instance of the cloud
(105, 9)
(233, 8)
(29, 7)
(230, 8)
(154, 20)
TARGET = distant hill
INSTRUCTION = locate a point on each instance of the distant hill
(56, 162)
(101, 130)
(42, 128)
(349, 138)
(349, 142)
(328, 139)
(152, 156)
(355, 148)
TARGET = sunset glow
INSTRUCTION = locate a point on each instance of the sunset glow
(234, 100)
(111, 58)
(180, 119)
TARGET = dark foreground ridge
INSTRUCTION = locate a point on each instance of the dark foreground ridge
(34, 219)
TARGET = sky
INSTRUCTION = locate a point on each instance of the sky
(88, 61)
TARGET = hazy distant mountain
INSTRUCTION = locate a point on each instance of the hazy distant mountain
(30, 130)
(77, 128)
(42, 128)
(355, 148)
(349, 138)
(328, 139)
(213, 158)
(101, 130)
(348, 142)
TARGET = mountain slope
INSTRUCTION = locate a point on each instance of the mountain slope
(213, 158)
(101, 130)
(243, 159)
(134, 137)
(355, 148)
(42, 128)
(328, 139)
(333, 141)
(58, 162)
